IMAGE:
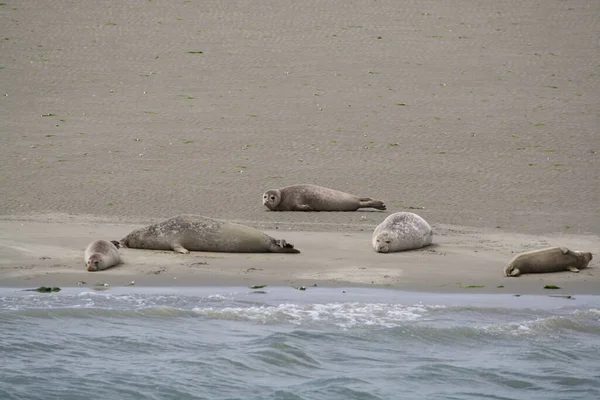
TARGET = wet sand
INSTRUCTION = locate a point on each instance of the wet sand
(479, 116)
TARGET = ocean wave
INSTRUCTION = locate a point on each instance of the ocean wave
(448, 320)
(106, 300)
(548, 326)
(344, 315)
(593, 312)
(150, 312)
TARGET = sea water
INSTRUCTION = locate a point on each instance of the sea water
(283, 343)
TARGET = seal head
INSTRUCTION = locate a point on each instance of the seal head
(100, 255)
(382, 242)
(271, 199)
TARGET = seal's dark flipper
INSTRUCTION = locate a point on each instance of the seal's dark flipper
(285, 247)
(367, 202)
(380, 205)
(116, 243)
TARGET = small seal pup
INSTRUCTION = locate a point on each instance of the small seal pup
(186, 232)
(552, 259)
(402, 231)
(305, 197)
(101, 254)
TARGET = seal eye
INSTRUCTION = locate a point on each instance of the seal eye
(272, 197)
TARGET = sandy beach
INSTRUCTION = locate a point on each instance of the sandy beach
(479, 116)
(49, 253)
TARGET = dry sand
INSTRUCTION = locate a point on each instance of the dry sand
(480, 116)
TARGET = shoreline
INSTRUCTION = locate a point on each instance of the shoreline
(42, 251)
(275, 296)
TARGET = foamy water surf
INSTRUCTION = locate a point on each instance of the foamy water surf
(235, 343)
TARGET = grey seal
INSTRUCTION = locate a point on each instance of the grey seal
(306, 197)
(551, 259)
(402, 231)
(188, 232)
(101, 254)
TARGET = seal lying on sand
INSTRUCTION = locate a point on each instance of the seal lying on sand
(402, 231)
(552, 259)
(197, 233)
(306, 197)
(101, 254)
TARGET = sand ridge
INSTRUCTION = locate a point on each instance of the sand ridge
(49, 250)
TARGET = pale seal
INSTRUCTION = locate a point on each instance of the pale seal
(402, 231)
(305, 197)
(101, 254)
(552, 259)
(197, 233)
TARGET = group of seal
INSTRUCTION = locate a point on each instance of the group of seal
(185, 233)
(400, 231)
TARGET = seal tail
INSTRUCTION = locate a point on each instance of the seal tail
(285, 247)
(367, 202)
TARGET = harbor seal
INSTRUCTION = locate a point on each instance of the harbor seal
(187, 232)
(306, 197)
(552, 259)
(402, 231)
(101, 254)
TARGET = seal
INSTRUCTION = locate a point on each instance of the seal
(402, 231)
(306, 197)
(187, 232)
(101, 254)
(552, 259)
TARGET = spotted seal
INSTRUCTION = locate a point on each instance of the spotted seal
(401, 231)
(187, 232)
(101, 254)
(306, 197)
(551, 259)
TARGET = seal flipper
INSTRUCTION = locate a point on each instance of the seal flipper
(116, 243)
(303, 207)
(572, 269)
(281, 246)
(180, 249)
(367, 202)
